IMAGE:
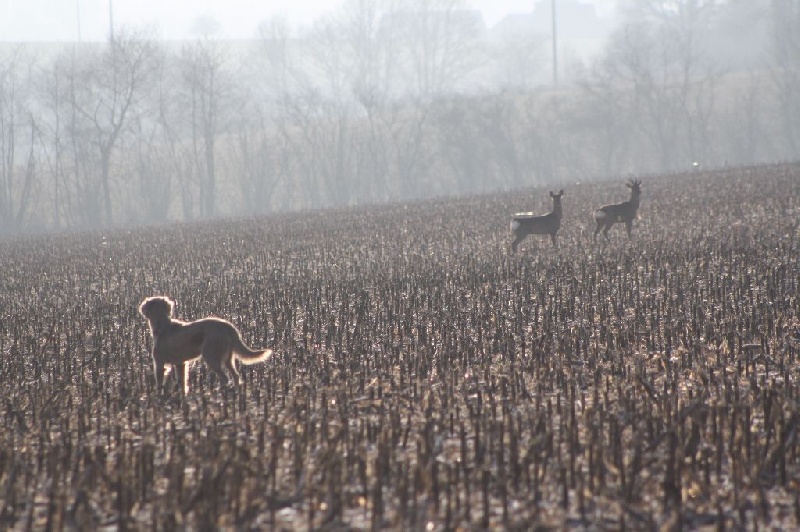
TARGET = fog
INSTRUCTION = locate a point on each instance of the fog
(390, 101)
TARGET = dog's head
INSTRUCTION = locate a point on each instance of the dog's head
(157, 307)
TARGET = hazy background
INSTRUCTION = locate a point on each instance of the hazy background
(212, 109)
(89, 20)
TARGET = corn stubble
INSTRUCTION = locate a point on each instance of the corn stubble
(424, 378)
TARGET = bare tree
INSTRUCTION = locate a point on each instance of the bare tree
(273, 62)
(786, 72)
(258, 158)
(520, 60)
(207, 87)
(609, 114)
(461, 132)
(441, 44)
(412, 156)
(743, 124)
(107, 92)
(149, 165)
(18, 141)
(391, 160)
(69, 153)
(51, 89)
(656, 65)
(504, 140)
(343, 67)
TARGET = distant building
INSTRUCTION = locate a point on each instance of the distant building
(468, 20)
(578, 27)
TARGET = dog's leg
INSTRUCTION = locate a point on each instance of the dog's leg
(214, 351)
(230, 363)
(217, 367)
(158, 370)
(183, 377)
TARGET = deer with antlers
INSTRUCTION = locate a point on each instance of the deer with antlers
(527, 223)
(608, 215)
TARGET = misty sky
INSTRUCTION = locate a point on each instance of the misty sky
(88, 20)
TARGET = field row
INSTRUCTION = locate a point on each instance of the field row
(423, 377)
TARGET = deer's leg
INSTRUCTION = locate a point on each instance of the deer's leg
(597, 230)
(515, 243)
(628, 227)
(605, 230)
(553, 239)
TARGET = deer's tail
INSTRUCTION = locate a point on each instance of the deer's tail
(600, 215)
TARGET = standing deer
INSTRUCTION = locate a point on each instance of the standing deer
(608, 215)
(526, 223)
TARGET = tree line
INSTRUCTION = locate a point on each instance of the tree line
(384, 100)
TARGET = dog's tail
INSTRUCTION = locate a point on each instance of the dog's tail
(249, 356)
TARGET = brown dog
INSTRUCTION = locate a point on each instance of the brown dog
(176, 343)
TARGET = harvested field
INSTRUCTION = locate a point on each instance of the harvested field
(423, 377)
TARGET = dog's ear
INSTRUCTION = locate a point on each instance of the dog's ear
(143, 307)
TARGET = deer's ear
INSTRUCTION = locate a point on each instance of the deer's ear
(561, 192)
(552, 195)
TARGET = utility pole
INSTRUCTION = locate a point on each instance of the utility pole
(555, 45)
(111, 21)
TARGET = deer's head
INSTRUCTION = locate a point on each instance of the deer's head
(635, 185)
(557, 202)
